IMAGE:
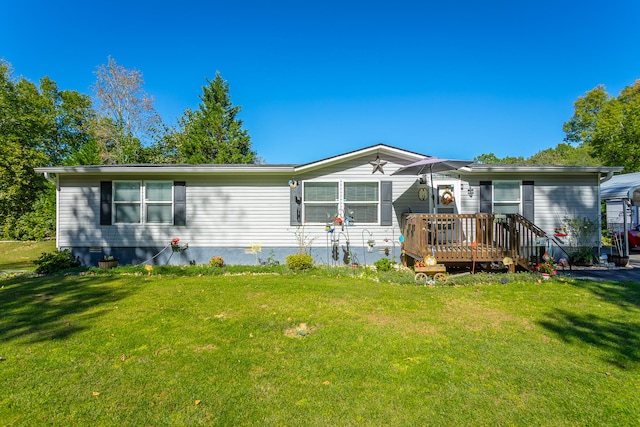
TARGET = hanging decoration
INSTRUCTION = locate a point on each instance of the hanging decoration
(377, 165)
(447, 197)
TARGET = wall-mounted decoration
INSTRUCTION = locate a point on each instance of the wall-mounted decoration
(377, 165)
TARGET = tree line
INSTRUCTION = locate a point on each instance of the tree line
(41, 125)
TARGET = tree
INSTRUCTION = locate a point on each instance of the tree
(22, 130)
(127, 122)
(39, 126)
(492, 159)
(67, 116)
(562, 155)
(213, 133)
(608, 126)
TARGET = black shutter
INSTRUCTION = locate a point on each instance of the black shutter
(386, 205)
(295, 205)
(179, 203)
(486, 197)
(527, 200)
(105, 202)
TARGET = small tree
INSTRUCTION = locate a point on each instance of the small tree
(582, 232)
(304, 241)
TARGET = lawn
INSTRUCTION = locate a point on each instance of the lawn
(316, 350)
(19, 256)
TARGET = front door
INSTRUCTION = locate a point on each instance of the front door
(446, 195)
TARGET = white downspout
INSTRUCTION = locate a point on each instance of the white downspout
(49, 178)
(607, 177)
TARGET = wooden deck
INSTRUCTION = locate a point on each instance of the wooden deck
(465, 238)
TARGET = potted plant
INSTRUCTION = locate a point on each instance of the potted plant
(108, 261)
(546, 268)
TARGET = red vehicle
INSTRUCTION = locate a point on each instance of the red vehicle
(634, 238)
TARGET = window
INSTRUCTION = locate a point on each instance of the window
(324, 200)
(506, 197)
(361, 201)
(129, 208)
(126, 202)
(157, 199)
(320, 201)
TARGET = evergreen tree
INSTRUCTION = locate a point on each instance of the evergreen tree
(213, 133)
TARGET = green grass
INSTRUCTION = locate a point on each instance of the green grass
(316, 349)
(19, 256)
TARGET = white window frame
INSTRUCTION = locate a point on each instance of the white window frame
(115, 203)
(507, 202)
(346, 203)
(306, 202)
(341, 203)
(147, 203)
(141, 202)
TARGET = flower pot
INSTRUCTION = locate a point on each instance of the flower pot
(545, 276)
(110, 263)
(619, 261)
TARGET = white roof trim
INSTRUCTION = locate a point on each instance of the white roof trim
(543, 168)
(374, 149)
(164, 169)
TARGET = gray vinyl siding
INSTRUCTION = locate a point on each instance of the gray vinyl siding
(360, 170)
(237, 210)
(223, 210)
(219, 211)
(555, 196)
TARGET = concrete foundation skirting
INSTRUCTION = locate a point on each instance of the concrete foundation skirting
(182, 255)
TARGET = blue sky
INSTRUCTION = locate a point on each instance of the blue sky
(315, 79)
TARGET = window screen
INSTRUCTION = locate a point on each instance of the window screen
(158, 197)
(320, 201)
(361, 201)
(506, 197)
(126, 200)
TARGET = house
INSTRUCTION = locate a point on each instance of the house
(350, 208)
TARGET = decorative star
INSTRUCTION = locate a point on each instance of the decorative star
(377, 165)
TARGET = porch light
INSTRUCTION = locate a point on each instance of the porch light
(470, 191)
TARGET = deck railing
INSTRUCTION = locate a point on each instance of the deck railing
(464, 238)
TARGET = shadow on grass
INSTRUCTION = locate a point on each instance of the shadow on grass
(622, 294)
(619, 338)
(16, 265)
(47, 308)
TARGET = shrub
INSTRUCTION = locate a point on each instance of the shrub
(383, 264)
(216, 261)
(52, 262)
(582, 256)
(299, 262)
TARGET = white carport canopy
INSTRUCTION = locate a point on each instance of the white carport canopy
(624, 188)
(619, 187)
